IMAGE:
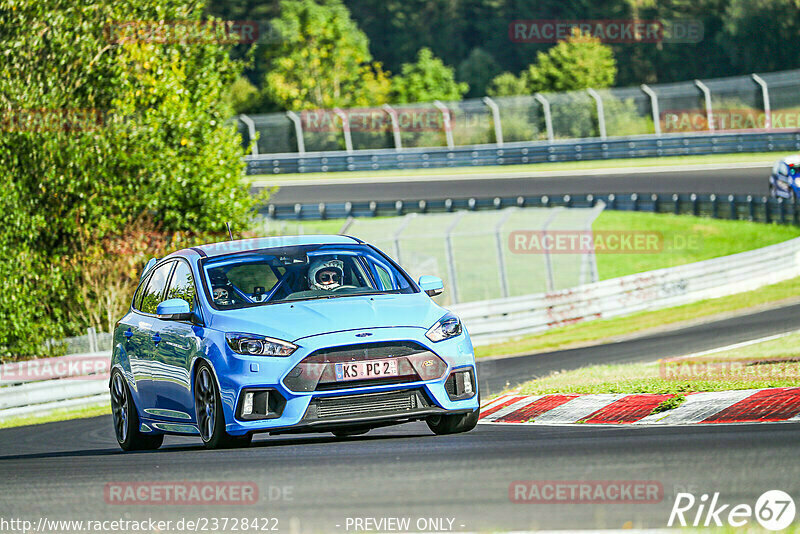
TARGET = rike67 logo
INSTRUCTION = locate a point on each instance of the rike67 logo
(774, 510)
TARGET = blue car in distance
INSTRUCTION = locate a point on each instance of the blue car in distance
(784, 182)
(286, 335)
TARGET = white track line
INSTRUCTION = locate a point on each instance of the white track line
(734, 346)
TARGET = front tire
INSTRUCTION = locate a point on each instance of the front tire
(126, 418)
(456, 423)
(209, 415)
(345, 433)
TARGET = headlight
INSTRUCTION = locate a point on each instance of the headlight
(259, 345)
(445, 328)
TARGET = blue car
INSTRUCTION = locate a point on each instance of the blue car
(784, 182)
(285, 335)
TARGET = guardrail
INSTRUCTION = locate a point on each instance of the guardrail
(497, 320)
(35, 387)
(525, 152)
(734, 207)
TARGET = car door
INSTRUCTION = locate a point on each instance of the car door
(177, 345)
(144, 336)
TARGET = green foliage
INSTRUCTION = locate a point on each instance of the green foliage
(242, 96)
(507, 84)
(580, 62)
(322, 59)
(477, 71)
(426, 80)
(126, 127)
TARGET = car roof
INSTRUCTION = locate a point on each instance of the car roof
(792, 160)
(259, 243)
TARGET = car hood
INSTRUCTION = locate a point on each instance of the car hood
(295, 320)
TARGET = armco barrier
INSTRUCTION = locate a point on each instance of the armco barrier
(39, 386)
(498, 320)
(735, 207)
(525, 152)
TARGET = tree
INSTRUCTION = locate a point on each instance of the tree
(579, 62)
(426, 80)
(322, 59)
(102, 125)
(477, 71)
(507, 84)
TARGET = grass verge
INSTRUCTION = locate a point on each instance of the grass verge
(684, 239)
(57, 415)
(773, 363)
(606, 330)
(711, 159)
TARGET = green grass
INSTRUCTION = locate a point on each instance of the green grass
(57, 415)
(605, 330)
(686, 239)
(710, 159)
(774, 363)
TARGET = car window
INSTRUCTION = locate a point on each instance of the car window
(182, 284)
(154, 291)
(384, 276)
(300, 273)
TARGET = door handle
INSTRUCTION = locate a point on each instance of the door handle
(156, 338)
(127, 333)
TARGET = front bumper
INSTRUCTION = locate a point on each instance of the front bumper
(376, 403)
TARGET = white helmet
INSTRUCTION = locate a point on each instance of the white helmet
(326, 274)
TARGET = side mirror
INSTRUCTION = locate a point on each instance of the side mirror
(174, 310)
(432, 285)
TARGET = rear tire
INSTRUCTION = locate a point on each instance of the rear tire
(126, 418)
(209, 415)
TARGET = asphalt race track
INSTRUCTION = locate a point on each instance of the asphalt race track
(315, 483)
(733, 180)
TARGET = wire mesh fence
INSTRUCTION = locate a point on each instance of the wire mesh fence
(740, 103)
(474, 252)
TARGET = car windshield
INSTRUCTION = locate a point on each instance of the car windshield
(300, 273)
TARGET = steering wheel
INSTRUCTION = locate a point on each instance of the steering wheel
(345, 287)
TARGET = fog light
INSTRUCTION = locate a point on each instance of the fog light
(467, 383)
(247, 406)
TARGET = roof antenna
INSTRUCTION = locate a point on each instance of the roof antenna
(229, 230)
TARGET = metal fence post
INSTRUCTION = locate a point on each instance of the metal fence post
(451, 260)
(601, 118)
(298, 131)
(348, 140)
(91, 333)
(498, 126)
(406, 221)
(251, 131)
(548, 262)
(709, 109)
(765, 94)
(548, 117)
(653, 108)
(398, 142)
(501, 262)
(448, 129)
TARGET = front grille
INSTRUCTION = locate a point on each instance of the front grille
(370, 403)
(317, 371)
(365, 351)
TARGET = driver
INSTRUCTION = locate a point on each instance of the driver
(326, 274)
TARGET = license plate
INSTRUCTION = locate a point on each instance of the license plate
(363, 370)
